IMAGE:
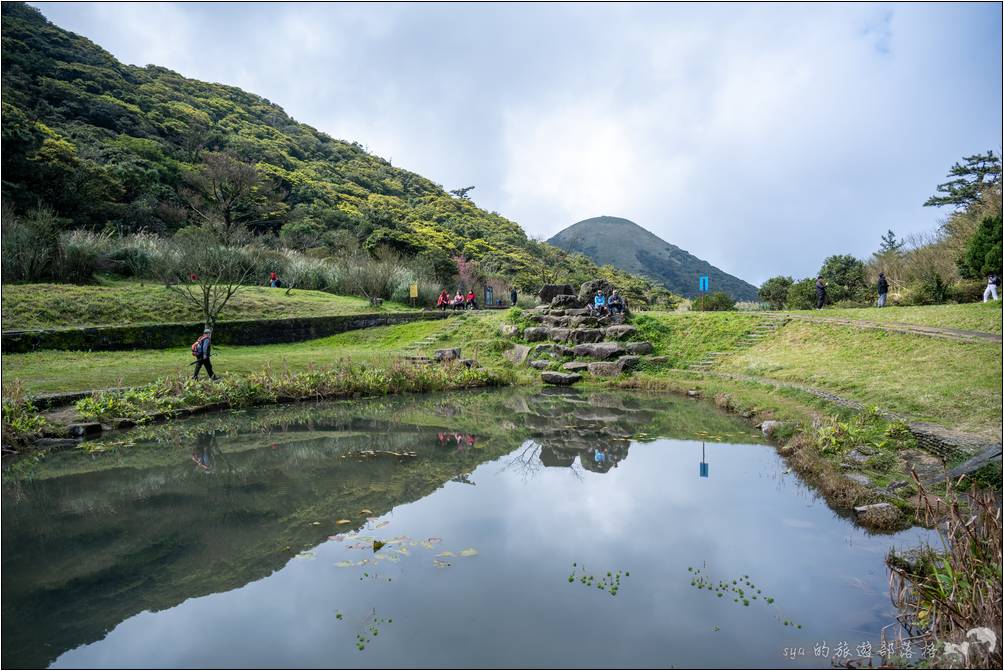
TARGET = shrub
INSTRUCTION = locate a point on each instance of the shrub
(82, 254)
(982, 255)
(845, 278)
(801, 295)
(716, 302)
(932, 290)
(775, 291)
(30, 244)
(966, 291)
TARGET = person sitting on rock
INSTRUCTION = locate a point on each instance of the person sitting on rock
(443, 301)
(615, 303)
(472, 300)
(599, 307)
(458, 300)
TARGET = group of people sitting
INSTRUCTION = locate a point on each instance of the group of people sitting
(604, 305)
(458, 302)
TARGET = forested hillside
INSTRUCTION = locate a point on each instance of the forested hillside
(118, 148)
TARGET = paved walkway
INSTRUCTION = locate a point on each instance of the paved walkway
(901, 327)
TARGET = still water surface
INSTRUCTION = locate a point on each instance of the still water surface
(222, 541)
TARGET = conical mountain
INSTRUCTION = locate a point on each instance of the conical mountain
(626, 245)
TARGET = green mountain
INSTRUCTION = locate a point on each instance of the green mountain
(111, 146)
(626, 245)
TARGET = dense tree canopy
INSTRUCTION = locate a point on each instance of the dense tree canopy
(119, 147)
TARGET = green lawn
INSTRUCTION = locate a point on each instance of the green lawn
(121, 302)
(956, 384)
(985, 317)
(50, 370)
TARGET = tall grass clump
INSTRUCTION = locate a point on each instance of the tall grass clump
(946, 594)
(31, 250)
(83, 252)
(21, 421)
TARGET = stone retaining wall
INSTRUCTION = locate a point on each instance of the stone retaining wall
(160, 336)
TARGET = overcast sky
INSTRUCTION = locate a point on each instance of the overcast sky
(761, 138)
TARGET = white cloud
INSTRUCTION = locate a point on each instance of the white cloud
(759, 137)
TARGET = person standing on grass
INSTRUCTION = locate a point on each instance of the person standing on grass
(512, 296)
(202, 350)
(883, 289)
(991, 290)
(820, 293)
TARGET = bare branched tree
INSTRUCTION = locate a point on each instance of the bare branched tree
(207, 270)
(225, 191)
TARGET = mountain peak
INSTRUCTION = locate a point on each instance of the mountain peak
(624, 244)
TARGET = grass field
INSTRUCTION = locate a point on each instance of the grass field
(71, 371)
(120, 302)
(955, 384)
(985, 317)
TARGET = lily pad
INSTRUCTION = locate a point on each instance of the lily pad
(447, 553)
(469, 552)
(345, 563)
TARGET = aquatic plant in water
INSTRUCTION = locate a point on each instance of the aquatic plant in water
(610, 583)
(742, 590)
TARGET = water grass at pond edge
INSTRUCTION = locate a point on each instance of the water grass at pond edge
(181, 395)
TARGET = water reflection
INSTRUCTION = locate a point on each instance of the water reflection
(130, 544)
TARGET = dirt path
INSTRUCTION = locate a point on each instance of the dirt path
(901, 327)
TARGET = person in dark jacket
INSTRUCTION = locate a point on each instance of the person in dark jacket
(883, 289)
(820, 293)
(203, 349)
(512, 296)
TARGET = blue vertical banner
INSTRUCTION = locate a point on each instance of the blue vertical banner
(704, 283)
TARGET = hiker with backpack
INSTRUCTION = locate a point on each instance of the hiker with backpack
(883, 290)
(993, 279)
(202, 350)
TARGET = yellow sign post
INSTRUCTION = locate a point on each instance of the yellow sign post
(413, 292)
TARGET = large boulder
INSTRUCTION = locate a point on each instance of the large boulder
(577, 312)
(583, 320)
(638, 347)
(540, 363)
(599, 350)
(589, 289)
(558, 334)
(620, 331)
(447, 354)
(518, 354)
(629, 361)
(580, 336)
(549, 291)
(534, 333)
(508, 330)
(605, 368)
(556, 321)
(561, 379)
(576, 366)
(550, 349)
(567, 301)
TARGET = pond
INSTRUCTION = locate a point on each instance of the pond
(496, 528)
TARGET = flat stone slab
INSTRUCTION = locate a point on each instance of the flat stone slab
(540, 363)
(606, 368)
(535, 333)
(862, 479)
(576, 366)
(585, 335)
(600, 350)
(561, 379)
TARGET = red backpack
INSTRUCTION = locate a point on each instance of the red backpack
(198, 344)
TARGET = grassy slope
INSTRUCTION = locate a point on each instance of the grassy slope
(951, 383)
(686, 337)
(120, 302)
(985, 317)
(49, 371)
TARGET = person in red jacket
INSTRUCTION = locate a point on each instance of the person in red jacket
(472, 300)
(444, 300)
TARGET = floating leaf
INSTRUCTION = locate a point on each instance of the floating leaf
(315, 524)
(377, 545)
(345, 564)
(344, 522)
(337, 537)
(447, 553)
(469, 552)
(426, 544)
(404, 551)
(382, 524)
(306, 554)
(365, 511)
(440, 564)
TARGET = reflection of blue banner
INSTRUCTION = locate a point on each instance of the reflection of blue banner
(704, 470)
(704, 282)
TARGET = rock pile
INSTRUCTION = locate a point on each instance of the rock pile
(565, 330)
